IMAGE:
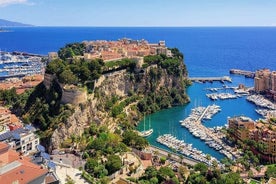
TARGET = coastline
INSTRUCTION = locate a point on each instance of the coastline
(167, 121)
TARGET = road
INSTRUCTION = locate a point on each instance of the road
(174, 156)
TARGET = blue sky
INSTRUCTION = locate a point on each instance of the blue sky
(140, 12)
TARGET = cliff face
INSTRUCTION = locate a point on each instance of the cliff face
(119, 83)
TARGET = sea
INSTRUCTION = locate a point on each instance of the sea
(208, 52)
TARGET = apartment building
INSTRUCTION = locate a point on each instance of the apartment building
(264, 134)
(265, 81)
(17, 169)
(240, 126)
(23, 140)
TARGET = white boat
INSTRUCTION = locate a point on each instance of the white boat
(145, 133)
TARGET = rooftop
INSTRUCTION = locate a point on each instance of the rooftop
(17, 168)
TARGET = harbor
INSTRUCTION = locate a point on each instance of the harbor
(211, 136)
(222, 96)
(167, 121)
(18, 65)
(261, 102)
(183, 148)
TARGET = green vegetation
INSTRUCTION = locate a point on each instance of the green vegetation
(132, 139)
(271, 171)
(129, 64)
(168, 63)
(154, 176)
(77, 71)
(71, 50)
(273, 120)
(204, 175)
(103, 150)
(16, 102)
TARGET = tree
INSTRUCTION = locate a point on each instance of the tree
(90, 165)
(164, 173)
(113, 164)
(163, 160)
(271, 171)
(100, 171)
(68, 77)
(202, 168)
(232, 178)
(150, 172)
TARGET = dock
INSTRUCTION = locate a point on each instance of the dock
(246, 73)
(203, 114)
(210, 79)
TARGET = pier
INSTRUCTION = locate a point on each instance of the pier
(210, 79)
(248, 74)
(202, 115)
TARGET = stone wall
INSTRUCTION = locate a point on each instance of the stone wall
(73, 95)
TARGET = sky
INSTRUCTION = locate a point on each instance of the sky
(140, 12)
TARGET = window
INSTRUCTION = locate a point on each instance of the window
(29, 146)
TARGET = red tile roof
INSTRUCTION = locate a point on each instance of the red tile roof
(24, 171)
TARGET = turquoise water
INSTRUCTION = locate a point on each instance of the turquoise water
(167, 121)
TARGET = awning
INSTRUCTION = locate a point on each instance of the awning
(45, 155)
(40, 148)
(51, 165)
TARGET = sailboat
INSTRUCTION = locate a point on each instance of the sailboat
(146, 133)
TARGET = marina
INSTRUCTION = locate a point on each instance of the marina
(211, 136)
(261, 102)
(16, 65)
(222, 96)
(266, 112)
(186, 149)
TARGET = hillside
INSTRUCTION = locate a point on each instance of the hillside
(91, 106)
(6, 23)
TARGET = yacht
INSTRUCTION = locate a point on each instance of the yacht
(145, 133)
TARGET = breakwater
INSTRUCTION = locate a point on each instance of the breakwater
(246, 73)
(210, 79)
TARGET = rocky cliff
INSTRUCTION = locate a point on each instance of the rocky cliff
(122, 84)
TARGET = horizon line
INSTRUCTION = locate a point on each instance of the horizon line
(211, 26)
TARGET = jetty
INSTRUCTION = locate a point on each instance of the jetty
(210, 136)
(210, 79)
(246, 73)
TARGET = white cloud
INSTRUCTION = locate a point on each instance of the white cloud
(10, 2)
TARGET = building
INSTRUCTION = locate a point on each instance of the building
(52, 56)
(23, 140)
(266, 135)
(123, 48)
(265, 82)
(5, 116)
(17, 169)
(240, 126)
(263, 135)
